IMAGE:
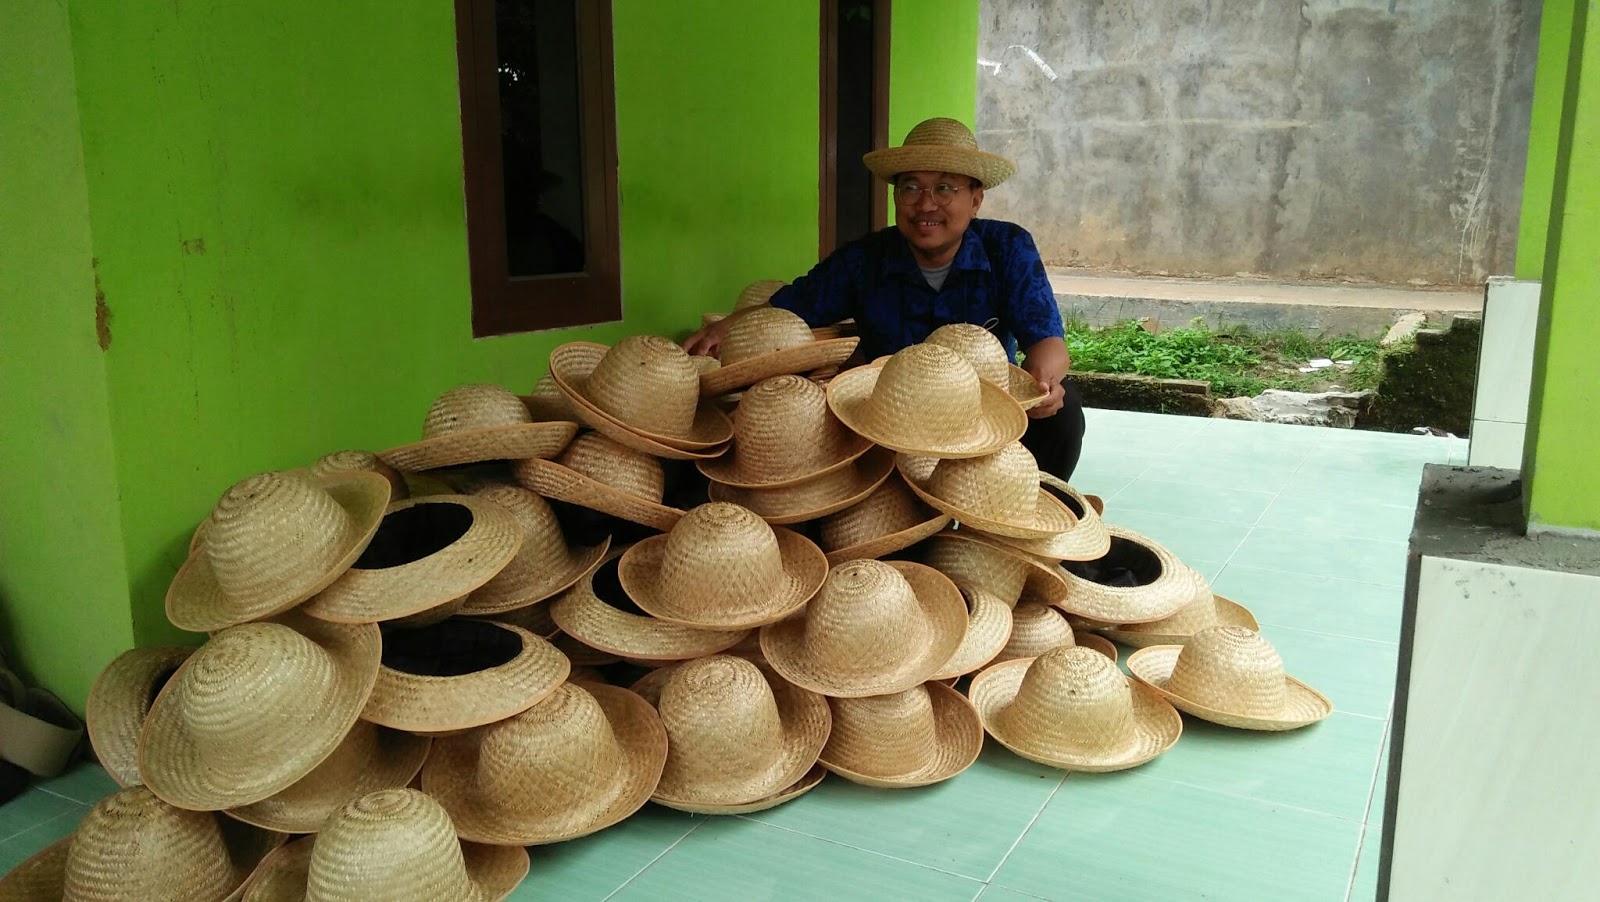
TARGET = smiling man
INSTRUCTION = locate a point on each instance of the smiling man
(941, 264)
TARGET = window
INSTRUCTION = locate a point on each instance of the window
(538, 129)
(855, 118)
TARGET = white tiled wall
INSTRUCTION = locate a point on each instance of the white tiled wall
(1505, 369)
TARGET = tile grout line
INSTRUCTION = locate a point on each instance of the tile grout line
(1031, 821)
(845, 845)
(32, 827)
(1366, 816)
(651, 863)
(1259, 801)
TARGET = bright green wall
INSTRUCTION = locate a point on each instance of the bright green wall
(1561, 480)
(933, 63)
(63, 601)
(1538, 180)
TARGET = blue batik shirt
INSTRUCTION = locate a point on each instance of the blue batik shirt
(996, 280)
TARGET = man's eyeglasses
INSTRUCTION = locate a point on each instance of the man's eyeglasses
(910, 193)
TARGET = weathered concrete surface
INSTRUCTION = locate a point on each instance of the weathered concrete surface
(1382, 139)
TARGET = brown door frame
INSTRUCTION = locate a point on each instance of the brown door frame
(828, 151)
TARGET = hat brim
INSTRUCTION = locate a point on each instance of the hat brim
(988, 630)
(501, 595)
(812, 498)
(120, 699)
(535, 618)
(1086, 541)
(432, 704)
(804, 569)
(783, 644)
(789, 793)
(1164, 596)
(449, 776)
(176, 770)
(873, 549)
(1229, 613)
(1302, 706)
(581, 614)
(1156, 724)
(283, 876)
(1022, 644)
(1043, 584)
(362, 595)
(1023, 388)
(958, 739)
(729, 470)
(988, 168)
(571, 365)
(1049, 515)
(197, 602)
(371, 758)
(552, 480)
(801, 359)
(998, 422)
(517, 442)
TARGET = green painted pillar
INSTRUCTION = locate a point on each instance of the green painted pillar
(1544, 127)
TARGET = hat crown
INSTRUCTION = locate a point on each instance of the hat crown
(274, 531)
(476, 406)
(891, 508)
(131, 845)
(549, 759)
(883, 734)
(391, 844)
(783, 429)
(616, 465)
(546, 403)
(544, 548)
(722, 722)
(999, 486)
(360, 462)
(1036, 629)
(925, 393)
(942, 132)
(973, 563)
(721, 558)
(649, 383)
(758, 292)
(764, 331)
(979, 347)
(1231, 668)
(864, 619)
(1190, 619)
(1073, 698)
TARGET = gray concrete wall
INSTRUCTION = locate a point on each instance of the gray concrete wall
(1367, 139)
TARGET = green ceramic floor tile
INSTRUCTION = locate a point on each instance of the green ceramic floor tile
(1364, 888)
(1208, 569)
(86, 783)
(1326, 767)
(1185, 537)
(32, 808)
(1380, 786)
(1356, 674)
(1336, 515)
(1318, 603)
(24, 845)
(964, 826)
(1265, 470)
(1315, 554)
(595, 866)
(1198, 499)
(740, 860)
(1109, 837)
(1389, 485)
(1001, 894)
(1105, 480)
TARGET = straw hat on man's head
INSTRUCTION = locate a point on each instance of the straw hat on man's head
(940, 145)
(1232, 676)
(927, 400)
(475, 423)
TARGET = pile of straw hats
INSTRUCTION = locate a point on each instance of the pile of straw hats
(555, 608)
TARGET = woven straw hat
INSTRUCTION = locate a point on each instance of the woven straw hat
(771, 342)
(132, 845)
(723, 567)
(362, 462)
(579, 761)
(461, 673)
(987, 355)
(923, 735)
(1036, 629)
(888, 520)
(997, 493)
(271, 542)
(472, 423)
(546, 403)
(119, 701)
(974, 560)
(873, 629)
(397, 845)
(736, 733)
(645, 385)
(543, 567)
(927, 400)
(535, 618)
(604, 475)
(427, 552)
(1232, 676)
(988, 631)
(940, 145)
(1204, 612)
(757, 293)
(580, 654)
(216, 738)
(369, 759)
(1072, 708)
(783, 433)
(1164, 584)
(1085, 541)
(599, 614)
(813, 498)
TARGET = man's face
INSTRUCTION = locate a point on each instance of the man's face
(932, 209)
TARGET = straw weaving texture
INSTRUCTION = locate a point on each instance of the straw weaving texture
(783, 432)
(1232, 676)
(757, 293)
(119, 701)
(763, 332)
(369, 759)
(397, 844)
(923, 735)
(361, 462)
(649, 383)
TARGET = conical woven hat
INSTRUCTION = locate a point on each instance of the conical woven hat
(1163, 584)
(1036, 629)
(362, 462)
(472, 423)
(977, 561)
(544, 566)
(579, 761)
(873, 629)
(923, 735)
(1232, 676)
(927, 400)
(1085, 541)
(132, 846)
(722, 567)
(757, 293)
(771, 342)
(940, 145)
(604, 475)
(546, 403)
(783, 433)
(997, 493)
(461, 673)
(599, 614)
(646, 384)
(120, 699)
(580, 654)
(271, 542)
(427, 552)
(1072, 708)
(888, 520)
(535, 618)
(988, 631)
(735, 734)
(369, 759)
(987, 355)
(215, 736)
(812, 498)
(1204, 612)
(396, 845)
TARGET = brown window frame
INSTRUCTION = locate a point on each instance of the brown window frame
(502, 304)
(828, 130)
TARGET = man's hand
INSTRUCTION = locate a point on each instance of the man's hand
(1047, 362)
(708, 341)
